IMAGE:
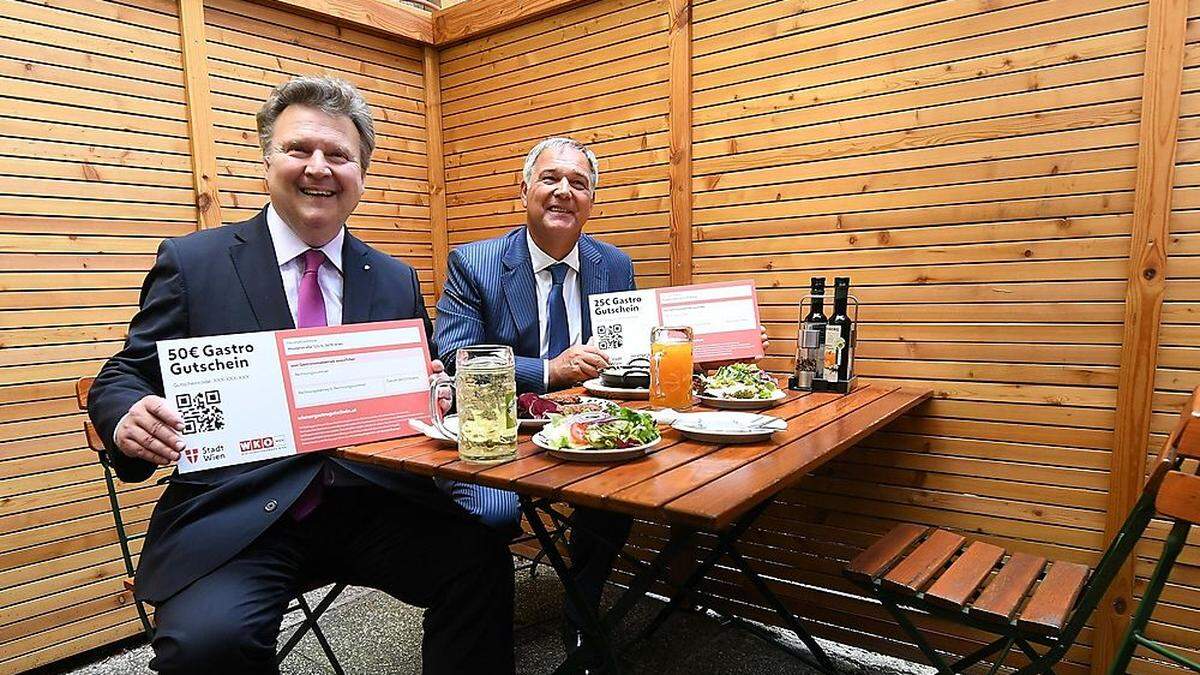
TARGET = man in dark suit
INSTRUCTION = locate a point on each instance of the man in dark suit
(227, 548)
(529, 289)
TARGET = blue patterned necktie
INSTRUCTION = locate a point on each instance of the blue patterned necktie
(556, 313)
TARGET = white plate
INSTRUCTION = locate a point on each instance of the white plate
(743, 403)
(595, 386)
(588, 455)
(427, 428)
(728, 427)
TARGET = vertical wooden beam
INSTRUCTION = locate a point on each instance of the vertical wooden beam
(679, 40)
(437, 168)
(199, 113)
(1162, 83)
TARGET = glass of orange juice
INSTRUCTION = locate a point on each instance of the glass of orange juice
(671, 366)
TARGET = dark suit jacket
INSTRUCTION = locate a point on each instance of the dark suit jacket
(491, 298)
(216, 282)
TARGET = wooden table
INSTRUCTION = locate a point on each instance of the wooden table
(689, 485)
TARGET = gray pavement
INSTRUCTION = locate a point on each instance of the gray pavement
(373, 633)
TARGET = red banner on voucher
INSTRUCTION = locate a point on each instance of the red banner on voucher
(723, 317)
(256, 396)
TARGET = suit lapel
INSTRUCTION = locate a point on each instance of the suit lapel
(593, 279)
(253, 256)
(521, 294)
(358, 286)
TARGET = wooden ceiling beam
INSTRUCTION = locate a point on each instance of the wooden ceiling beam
(381, 16)
(479, 17)
(456, 23)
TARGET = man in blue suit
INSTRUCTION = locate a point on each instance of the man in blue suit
(529, 289)
(227, 548)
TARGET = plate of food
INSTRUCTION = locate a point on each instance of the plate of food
(534, 410)
(632, 374)
(739, 386)
(596, 386)
(599, 436)
(728, 426)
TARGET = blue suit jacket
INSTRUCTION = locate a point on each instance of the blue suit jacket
(215, 282)
(491, 298)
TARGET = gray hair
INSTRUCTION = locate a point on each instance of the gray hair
(330, 95)
(561, 142)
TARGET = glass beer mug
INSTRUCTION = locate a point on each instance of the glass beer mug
(671, 366)
(485, 389)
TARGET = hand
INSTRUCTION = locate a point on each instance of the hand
(436, 369)
(713, 365)
(150, 431)
(576, 364)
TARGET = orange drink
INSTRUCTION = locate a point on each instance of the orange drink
(671, 367)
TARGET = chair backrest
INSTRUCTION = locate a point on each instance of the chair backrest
(82, 386)
(1183, 443)
(1179, 497)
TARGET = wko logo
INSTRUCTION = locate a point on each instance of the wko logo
(192, 454)
(256, 444)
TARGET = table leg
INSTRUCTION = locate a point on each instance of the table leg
(592, 627)
(725, 547)
(823, 663)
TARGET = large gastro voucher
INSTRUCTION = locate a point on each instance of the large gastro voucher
(256, 396)
(723, 317)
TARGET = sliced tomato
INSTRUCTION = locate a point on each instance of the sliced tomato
(578, 433)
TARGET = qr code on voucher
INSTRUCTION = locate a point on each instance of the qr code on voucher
(201, 411)
(608, 336)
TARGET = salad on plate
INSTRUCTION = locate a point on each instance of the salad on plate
(740, 381)
(622, 428)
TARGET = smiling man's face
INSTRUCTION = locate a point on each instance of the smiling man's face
(314, 172)
(558, 199)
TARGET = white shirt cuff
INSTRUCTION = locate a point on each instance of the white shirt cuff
(117, 428)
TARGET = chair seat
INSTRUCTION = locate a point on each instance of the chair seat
(946, 570)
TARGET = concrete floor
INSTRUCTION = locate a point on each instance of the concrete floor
(373, 633)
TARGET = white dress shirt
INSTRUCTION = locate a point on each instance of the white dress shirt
(289, 252)
(571, 295)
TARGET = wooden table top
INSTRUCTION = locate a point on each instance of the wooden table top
(681, 481)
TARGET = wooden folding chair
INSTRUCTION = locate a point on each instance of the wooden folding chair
(1178, 500)
(1023, 599)
(125, 539)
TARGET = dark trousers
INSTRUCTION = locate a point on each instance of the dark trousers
(228, 621)
(593, 546)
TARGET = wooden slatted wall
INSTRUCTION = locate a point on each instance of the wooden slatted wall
(597, 73)
(251, 48)
(971, 167)
(97, 170)
(95, 142)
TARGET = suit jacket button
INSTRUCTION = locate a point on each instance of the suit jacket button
(270, 506)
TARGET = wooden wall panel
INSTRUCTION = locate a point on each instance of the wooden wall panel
(971, 168)
(252, 48)
(99, 169)
(93, 135)
(597, 73)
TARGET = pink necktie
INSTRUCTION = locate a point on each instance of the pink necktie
(310, 312)
(310, 305)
